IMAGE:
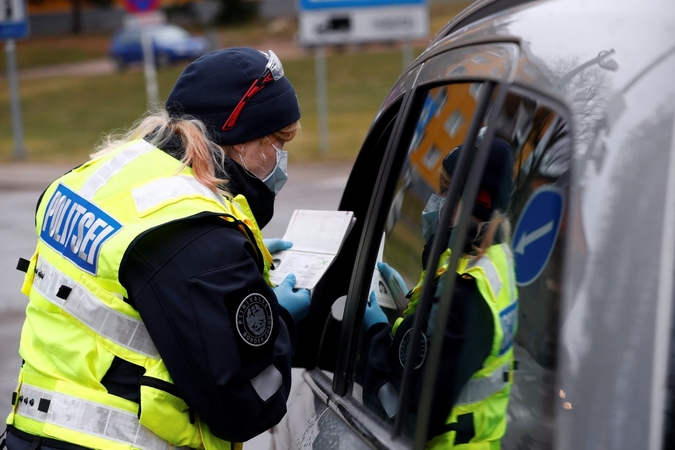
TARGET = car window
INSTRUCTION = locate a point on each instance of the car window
(440, 125)
(539, 218)
(531, 235)
(321, 343)
(522, 250)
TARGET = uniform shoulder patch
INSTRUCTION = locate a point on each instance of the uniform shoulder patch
(254, 320)
(403, 349)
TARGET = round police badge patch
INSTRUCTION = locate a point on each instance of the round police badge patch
(403, 350)
(254, 320)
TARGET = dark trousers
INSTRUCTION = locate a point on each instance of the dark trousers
(18, 440)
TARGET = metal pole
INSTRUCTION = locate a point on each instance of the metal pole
(407, 53)
(151, 88)
(19, 151)
(321, 97)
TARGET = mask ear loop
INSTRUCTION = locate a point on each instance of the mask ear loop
(241, 154)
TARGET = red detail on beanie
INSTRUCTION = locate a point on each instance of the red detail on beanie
(483, 199)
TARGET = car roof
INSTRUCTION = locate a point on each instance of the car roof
(571, 30)
(478, 10)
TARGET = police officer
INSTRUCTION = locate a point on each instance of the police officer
(152, 322)
(476, 364)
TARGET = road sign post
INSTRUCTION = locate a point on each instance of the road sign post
(321, 97)
(144, 14)
(340, 22)
(19, 151)
(14, 25)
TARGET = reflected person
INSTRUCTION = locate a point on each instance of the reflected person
(475, 370)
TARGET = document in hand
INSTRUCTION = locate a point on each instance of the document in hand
(389, 295)
(317, 237)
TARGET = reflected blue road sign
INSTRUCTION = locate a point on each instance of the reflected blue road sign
(536, 232)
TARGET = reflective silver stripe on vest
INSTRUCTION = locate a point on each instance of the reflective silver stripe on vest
(511, 269)
(267, 383)
(126, 331)
(112, 167)
(388, 398)
(479, 389)
(490, 270)
(157, 192)
(86, 417)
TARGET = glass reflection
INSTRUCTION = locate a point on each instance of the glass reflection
(487, 324)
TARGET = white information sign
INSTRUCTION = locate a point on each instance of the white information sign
(337, 22)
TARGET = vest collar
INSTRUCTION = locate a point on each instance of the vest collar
(258, 195)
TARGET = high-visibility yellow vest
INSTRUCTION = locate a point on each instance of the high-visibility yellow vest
(485, 397)
(77, 320)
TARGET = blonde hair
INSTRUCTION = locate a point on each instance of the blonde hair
(201, 154)
(487, 231)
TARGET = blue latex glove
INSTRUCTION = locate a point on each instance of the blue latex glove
(395, 282)
(277, 245)
(295, 301)
(373, 314)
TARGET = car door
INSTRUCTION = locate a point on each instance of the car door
(459, 97)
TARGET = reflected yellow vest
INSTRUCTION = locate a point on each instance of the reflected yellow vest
(485, 397)
(77, 320)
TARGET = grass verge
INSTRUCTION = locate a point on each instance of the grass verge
(64, 117)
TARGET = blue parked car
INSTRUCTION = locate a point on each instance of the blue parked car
(171, 43)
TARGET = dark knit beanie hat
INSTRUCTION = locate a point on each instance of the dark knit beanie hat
(497, 182)
(211, 87)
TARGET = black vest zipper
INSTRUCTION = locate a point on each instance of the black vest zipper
(161, 385)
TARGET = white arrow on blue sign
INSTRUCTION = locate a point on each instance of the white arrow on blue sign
(536, 233)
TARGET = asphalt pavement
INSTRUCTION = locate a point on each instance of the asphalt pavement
(310, 186)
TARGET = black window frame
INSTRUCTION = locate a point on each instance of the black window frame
(384, 187)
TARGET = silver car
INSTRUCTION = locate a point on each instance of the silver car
(584, 92)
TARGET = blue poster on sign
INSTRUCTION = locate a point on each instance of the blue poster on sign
(331, 4)
(536, 233)
(13, 19)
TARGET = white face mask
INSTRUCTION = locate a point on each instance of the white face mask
(276, 179)
(431, 215)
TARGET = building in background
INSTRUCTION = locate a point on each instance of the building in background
(62, 17)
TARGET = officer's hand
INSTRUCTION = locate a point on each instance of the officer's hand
(394, 280)
(277, 245)
(295, 301)
(373, 314)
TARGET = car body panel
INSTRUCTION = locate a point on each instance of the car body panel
(605, 68)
